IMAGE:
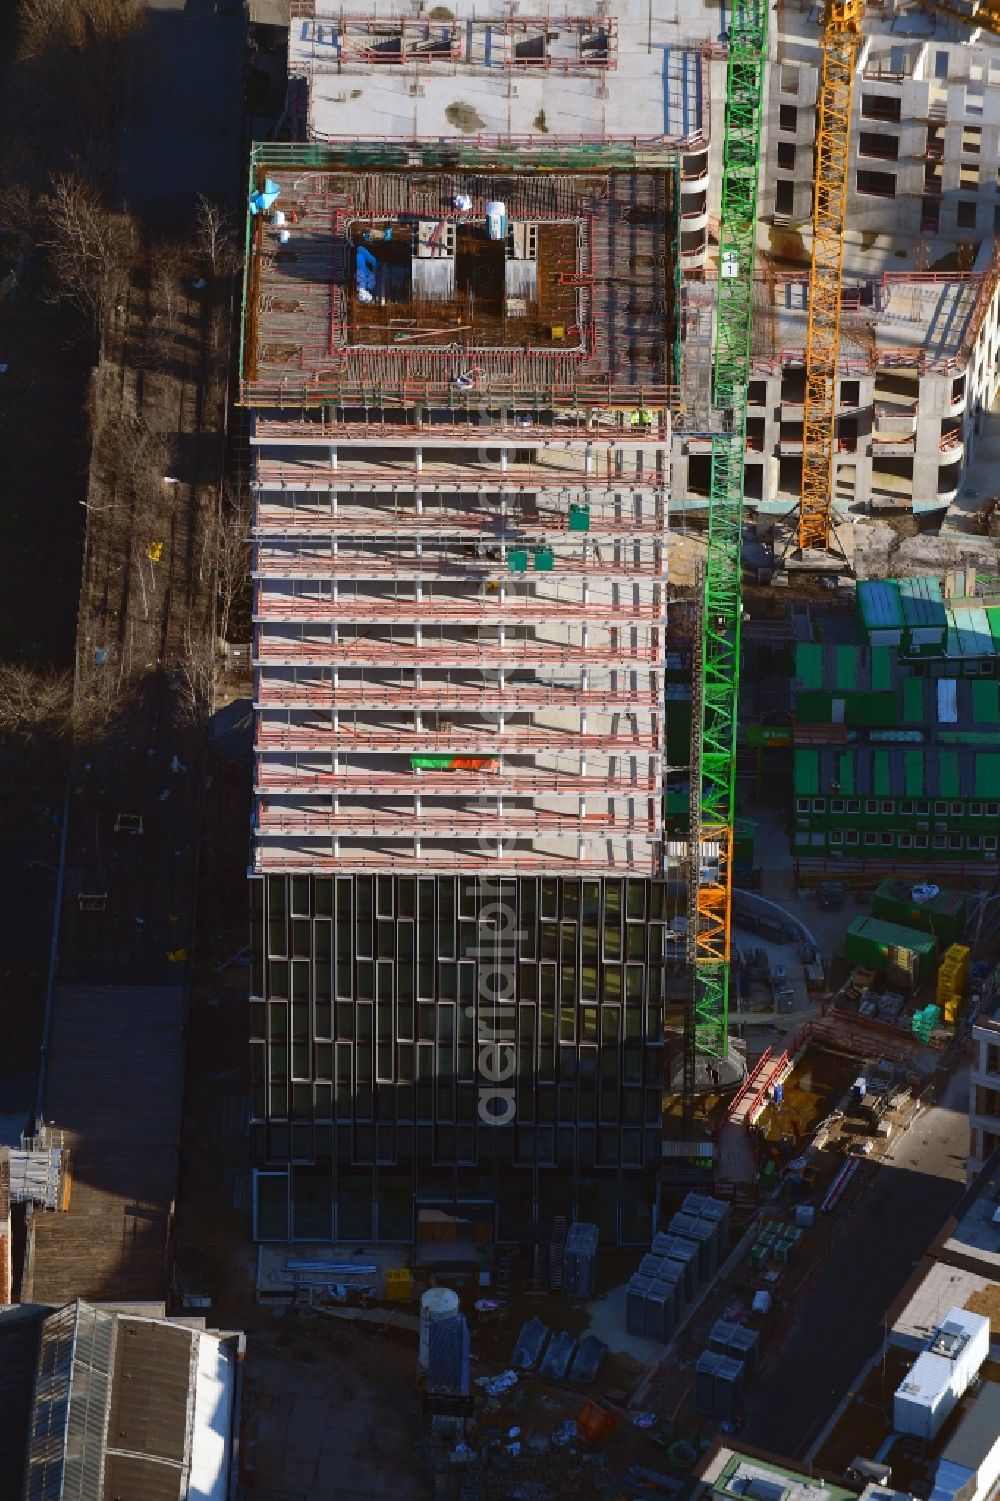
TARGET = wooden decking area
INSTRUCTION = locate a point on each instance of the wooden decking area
(114, 1088)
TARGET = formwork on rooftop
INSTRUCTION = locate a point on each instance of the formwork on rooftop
(596, 327)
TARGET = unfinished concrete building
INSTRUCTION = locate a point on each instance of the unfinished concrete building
(462, 371)
(919, 342)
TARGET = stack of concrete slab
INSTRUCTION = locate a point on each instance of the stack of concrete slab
(686, 1254)
(718, 1385)
(736, 1341)
(705, 1234)
(724, 1368)
(717, 1210)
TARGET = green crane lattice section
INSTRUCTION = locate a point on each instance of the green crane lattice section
(713, 769)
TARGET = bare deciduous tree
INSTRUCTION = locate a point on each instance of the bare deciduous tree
(90, 248)
(134, 457)
(233, 550)
(216, 237)
(195, 680)
(74, 21)
(168, 264)
(34, 705)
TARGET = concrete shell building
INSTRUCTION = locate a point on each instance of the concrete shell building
(920, 344)
(462, 370)
(984, 1081)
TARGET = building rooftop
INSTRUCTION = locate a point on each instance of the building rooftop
(19, 1332)
(150, 1405)
(972, 1239)
(383, 284)
(924, 321)
(976, 1435)
(915, 772)
(940, 1288)
(486, 69)
(744, 1473)
(877, 691)
(110, 1240)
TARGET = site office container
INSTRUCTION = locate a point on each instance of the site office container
(828, 706)
(905, 956)
(943, 915)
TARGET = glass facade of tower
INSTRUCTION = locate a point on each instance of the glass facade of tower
(492, 1049)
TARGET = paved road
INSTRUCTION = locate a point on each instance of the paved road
(873, 1253)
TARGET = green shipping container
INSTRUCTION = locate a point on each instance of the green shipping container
(904, 956)
(943, 915)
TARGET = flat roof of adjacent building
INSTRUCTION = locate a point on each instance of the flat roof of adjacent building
(916, 771)
(484, 68)
(746, 1474)
(977, 1433)
(933, 317)
(110, 1239)
(20, 1327)
(913, 322)
(942, 1288)
(973, 1238)
(150, 1405)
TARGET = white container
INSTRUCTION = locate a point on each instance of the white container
(496, 220)
(278, 218)
(436, 1303)
(942, 1374)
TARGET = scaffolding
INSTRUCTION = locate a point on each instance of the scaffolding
(309, 342)
(460, 592)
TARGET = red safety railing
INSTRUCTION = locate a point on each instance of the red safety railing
(489, 698)
(492, 611)
(384, 520)
(404, 822)
(431, 476)
(362, 565)
(747, 1086)
(482, 741)
(618, 861)
(519, 782)
(471, 654)
(604, 429)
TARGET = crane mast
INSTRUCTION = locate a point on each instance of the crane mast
(841, 37)
(716, 688)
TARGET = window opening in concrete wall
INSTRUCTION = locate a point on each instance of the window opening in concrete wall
(877, 184)
(881, 107)
(879, 143)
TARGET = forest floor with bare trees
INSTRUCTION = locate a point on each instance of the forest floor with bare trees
(115, 335)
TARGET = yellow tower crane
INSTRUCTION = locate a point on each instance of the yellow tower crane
(985, 15)
(841, 38)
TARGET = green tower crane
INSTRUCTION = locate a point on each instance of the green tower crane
(716, 686)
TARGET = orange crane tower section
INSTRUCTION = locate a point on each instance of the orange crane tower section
(841, 38)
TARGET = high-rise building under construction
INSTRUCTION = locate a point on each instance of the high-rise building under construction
(459, 349)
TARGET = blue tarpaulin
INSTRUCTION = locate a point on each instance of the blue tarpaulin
(364, 275)
(264, 197)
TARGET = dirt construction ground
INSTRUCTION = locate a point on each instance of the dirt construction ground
(329, 1412)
